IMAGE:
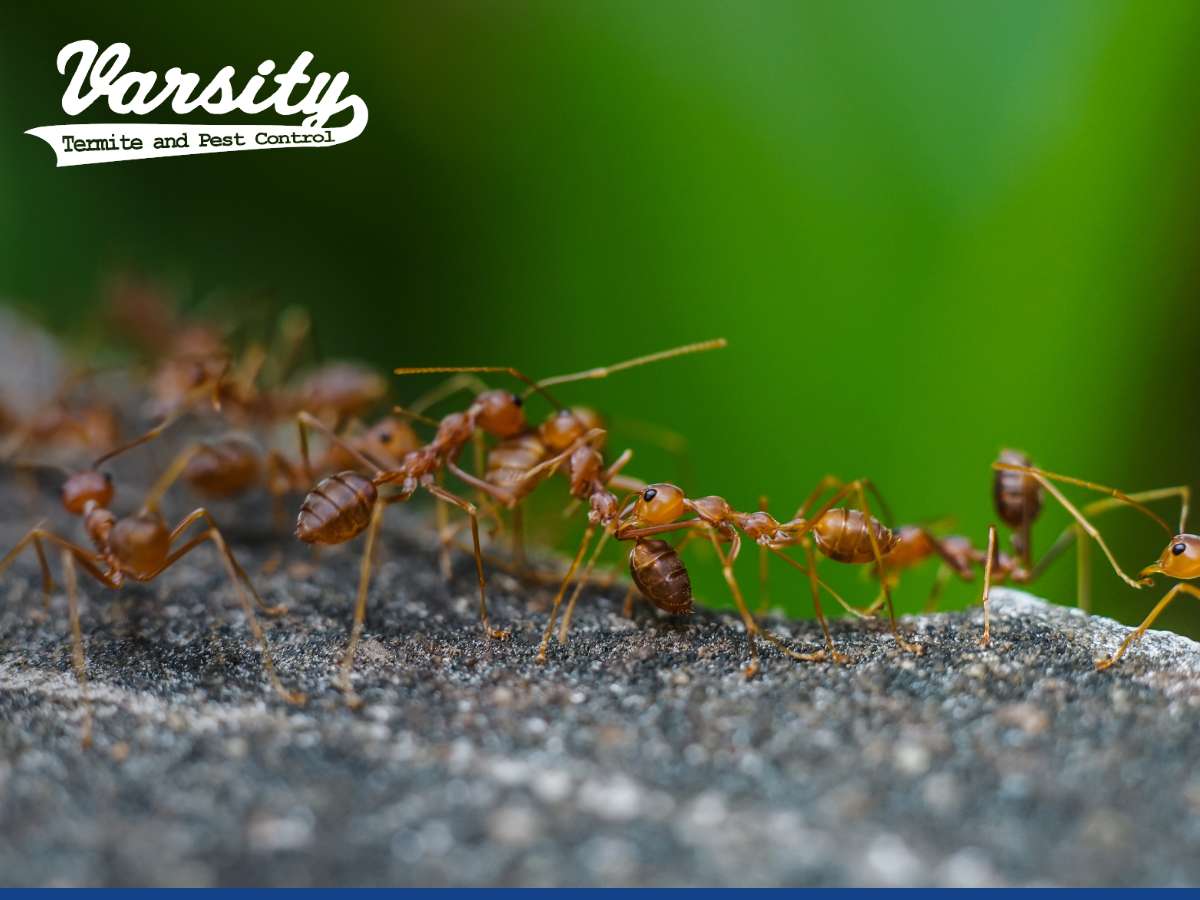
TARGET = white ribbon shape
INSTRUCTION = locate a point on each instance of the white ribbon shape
(87, 144)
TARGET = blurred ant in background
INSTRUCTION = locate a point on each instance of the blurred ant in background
(137, 547)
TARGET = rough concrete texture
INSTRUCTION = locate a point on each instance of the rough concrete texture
(640, 755)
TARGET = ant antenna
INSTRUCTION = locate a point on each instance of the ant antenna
(415, 416)
(515, 373)
(605, 371)
(154, 432)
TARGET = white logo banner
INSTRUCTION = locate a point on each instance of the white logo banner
(102, 76)
(81, 145)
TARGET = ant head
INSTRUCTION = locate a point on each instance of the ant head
(389, 439)
(83, 488)
(500, 413)
(1180, 560)
(658, 504)
(564, 427)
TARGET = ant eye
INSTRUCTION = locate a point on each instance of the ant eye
(649, 494)
(1179, 548)
(517, 401)
(108, 477)
(385, 437)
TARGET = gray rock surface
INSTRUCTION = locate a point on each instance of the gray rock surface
(640, 755)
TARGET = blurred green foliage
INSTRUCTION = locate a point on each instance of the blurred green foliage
(929, 229)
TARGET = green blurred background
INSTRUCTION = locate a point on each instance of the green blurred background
(928, 229)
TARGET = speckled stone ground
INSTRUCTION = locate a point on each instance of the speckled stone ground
(640, 755)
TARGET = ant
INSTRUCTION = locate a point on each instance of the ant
(845, 535)
(512, 469)
(233, 464)
(139, 547)
(566, 438)
(658, 572)
(1018, 493)
(1179, 560)
(346, 504)
(57, 422)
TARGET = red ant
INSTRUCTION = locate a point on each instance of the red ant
(845, 535)
(568, 438)
(1018, 492)
(139, 547)
(344, 505)
(1179, 560)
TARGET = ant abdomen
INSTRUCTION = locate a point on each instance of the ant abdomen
(510, 460)
(225, 467)
(337, 509)
(141, 543)
(661, 576)
(1017, 495)
(842, 535)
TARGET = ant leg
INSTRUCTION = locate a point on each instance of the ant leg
(305, 421)
(203, 514)
(445, 536)
(1083, 571)
(616, 466)
(730, 579)
(1181, 588)
(764, 598)
(505, 497)
(829, 652)
(1097, 508)
(583, 579)
(986, 638)
(832, 482)
(77, 655)
(828, 482)
(240, 582)
(865, 507)
(583, 545)
(518, 536)
(1090, 529)
(360, 609)
(1043, 477)
(470, 509)
(627, 604)
(33, 537)
(170, 475)
(753, 629)
(811, 559)
(939, 586)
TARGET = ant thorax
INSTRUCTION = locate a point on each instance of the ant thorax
(454, 431)
(714, 509)
(98, 523)
(760, 526)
